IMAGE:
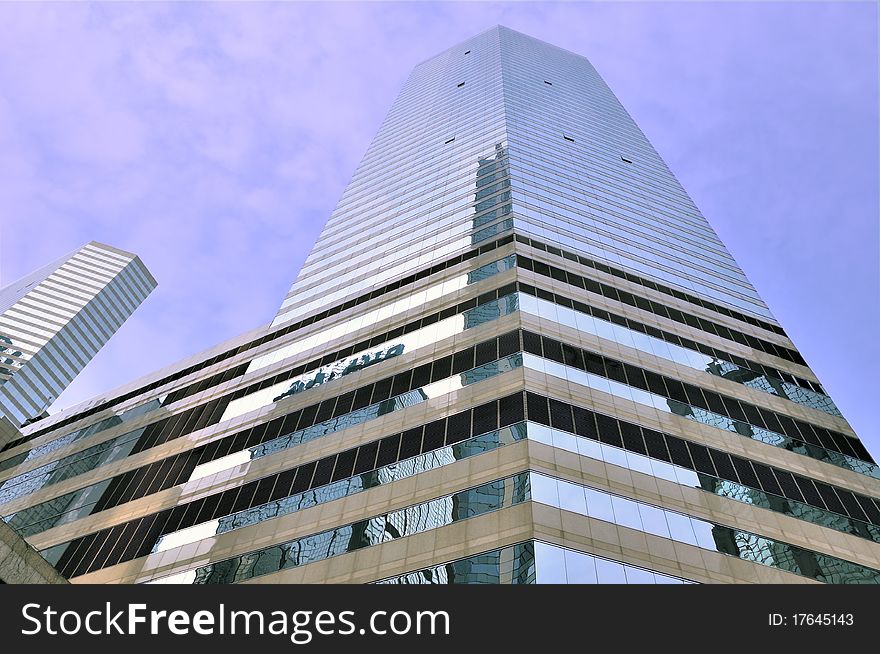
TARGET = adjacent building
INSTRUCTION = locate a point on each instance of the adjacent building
(54, 321)
(517, 353)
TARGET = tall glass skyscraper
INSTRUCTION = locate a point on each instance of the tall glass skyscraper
(517, 353)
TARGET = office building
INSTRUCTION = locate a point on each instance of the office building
(517, 353)
(54, 321)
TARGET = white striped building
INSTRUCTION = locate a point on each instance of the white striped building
(53, 321)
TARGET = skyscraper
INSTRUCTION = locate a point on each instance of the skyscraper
(517, 353)
(53, 321)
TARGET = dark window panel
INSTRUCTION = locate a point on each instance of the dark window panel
(733, 409)
(830, 497)
(632, 437)
(767, 478)
(443, 367)
(362, 398)
(324, 471)
(609, 431)
(808, 490)
(594, 363)
(532, 343)
(411, 443)
(125, 538)
(573, 357)
(511, 410)
(273, 428)
(435, 435)
(462, 361)
(421, 376)
(303, 479)
(459, 427)
(615, 370)
(401, 383)
(746, 474)
(344, 465)
(282, 486)
(486, 352)
(852, 506)
(714, 402)
(560, 416)
(381, 390)
(770, 420)
(486, 418)
(788, 485)
(723, 465)
(675, 390)
(753, 416)
(678, 451)
(702, 460)
(871, 509)
(655, 383)
(536, 407)
(290, 420)
(859, 449)
(388, 448)
(635, 377)
(585, 423)
(656, 444)
(552, 349)
(366, 457)
(508, 344)
(307, 417)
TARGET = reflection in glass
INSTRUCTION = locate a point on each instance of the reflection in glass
(360, 416)
(685, 356)
(344, 487)
(364, 533)
(706, 535)
(687, 477)
(702, 416)
(514, 564)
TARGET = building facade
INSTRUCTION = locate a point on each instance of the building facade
(54, 321)
(517, 353)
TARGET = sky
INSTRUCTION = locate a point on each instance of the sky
(215, 139)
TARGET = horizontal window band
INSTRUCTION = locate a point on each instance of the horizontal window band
(671, 313)
(332, 414)
(698, 532)
(514, 564)
(532, 562)
(395, 457)
(705, 406)
(728, 366)
(216, 379)
(702, 459)
(660, 468)
(411, 520)
(513, 490)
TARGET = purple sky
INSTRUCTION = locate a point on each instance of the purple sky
(214, 141)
